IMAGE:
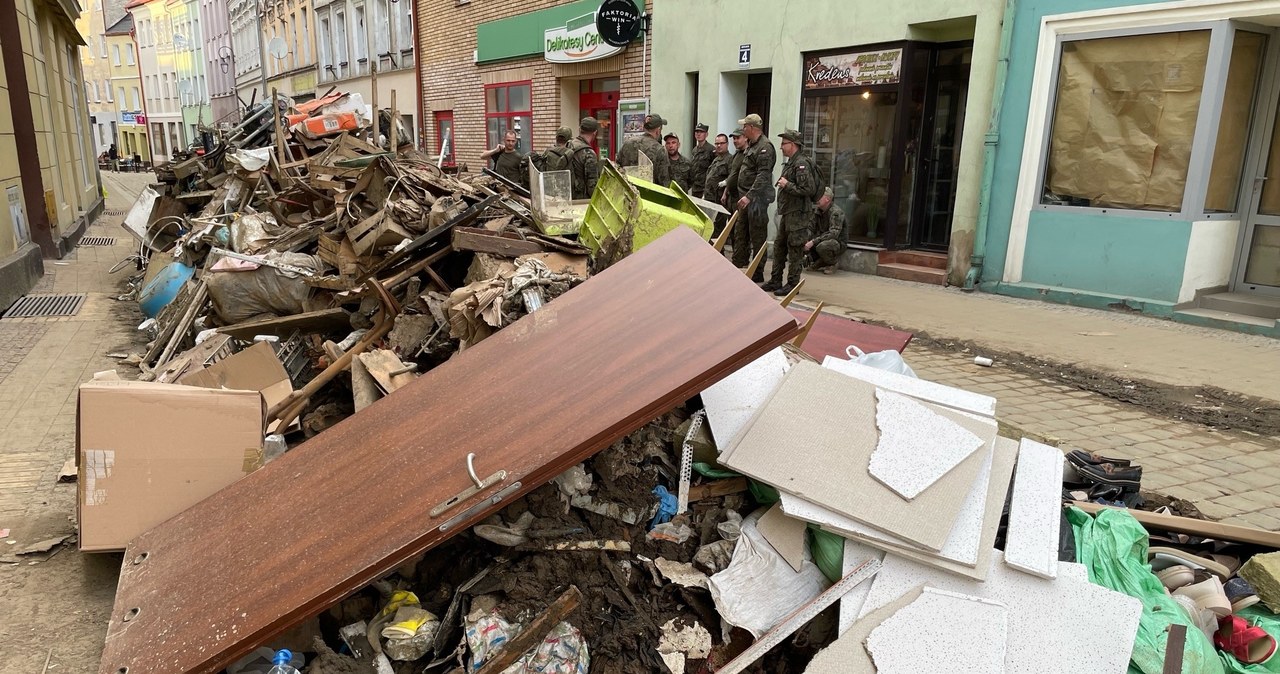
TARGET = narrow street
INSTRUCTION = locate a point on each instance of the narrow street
(58, 608)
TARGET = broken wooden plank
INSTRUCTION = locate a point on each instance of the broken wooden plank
(294, 537)
(311, 322)
(484, 241)
(1194, 527)
(386, 369)
(715, 488)
(533, 635)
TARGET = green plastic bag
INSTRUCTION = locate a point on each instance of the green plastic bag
(1113, 547)
(827, 550)
(763, 493)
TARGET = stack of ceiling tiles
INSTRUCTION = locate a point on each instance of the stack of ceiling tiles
(914, 472)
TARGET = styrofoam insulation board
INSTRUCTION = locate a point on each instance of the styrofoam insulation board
(917, 446)
(969, 630)
(1035, 510)
(1066, 625)
(923, 389)
(814, 438)
(732, 401)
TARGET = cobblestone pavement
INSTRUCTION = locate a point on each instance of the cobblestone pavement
(1230, 476)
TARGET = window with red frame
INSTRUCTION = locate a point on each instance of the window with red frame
(508, 107)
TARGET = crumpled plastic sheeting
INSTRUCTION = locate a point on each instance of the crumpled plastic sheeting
(240, 295)
(563, 651)
(254, 232)
(759, 588)
(1113, 547)
(252, 160)
(475, 309)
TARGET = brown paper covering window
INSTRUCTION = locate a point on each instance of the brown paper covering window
(1125, 116)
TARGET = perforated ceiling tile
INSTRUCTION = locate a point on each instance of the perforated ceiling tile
(1067, 625)
(923, 389)
(970, 631)
(1035, 511)
(917, 446)
(732, 400)
(814, 439)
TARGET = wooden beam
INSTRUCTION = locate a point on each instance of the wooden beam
(531, 636)
(724, 234)
(485, 241)
(786, 301)
(808, 325)
(1194, 527)
(311, 322)
(755, 262)
(714, 488)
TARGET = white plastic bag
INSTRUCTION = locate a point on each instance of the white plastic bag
(881, 360)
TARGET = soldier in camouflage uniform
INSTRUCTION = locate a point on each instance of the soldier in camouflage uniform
(681, 168)
(583, 163)
(702, 156)
(649, 144)
(755, 184)
(717, 173)
(831, 233)
(556, 157)
(741, 236)
(796, 190)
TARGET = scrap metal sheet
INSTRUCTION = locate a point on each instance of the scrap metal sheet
(222, 578)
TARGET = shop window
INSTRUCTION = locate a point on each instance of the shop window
(508, 108)
(1233, 124)
(851, 137)
(1123, 120)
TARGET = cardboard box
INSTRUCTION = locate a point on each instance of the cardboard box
(255, 369)
(148, 451)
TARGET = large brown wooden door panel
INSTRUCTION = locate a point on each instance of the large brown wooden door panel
(348, 506)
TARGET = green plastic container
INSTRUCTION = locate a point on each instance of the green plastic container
(647, 210)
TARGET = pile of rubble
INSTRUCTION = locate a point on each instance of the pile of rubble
(600, 462)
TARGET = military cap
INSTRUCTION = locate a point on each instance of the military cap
(793, 136)
(752, 120)
(736, 132)
(654, 121)
(701, 127)
(670, 135)
(590, 124)
(828, 193)
(564, 133)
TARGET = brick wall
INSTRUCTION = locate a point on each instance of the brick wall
(451, 80)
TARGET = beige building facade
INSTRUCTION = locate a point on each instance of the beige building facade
(49, 187)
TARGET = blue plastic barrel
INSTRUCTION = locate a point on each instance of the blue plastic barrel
(162, 289)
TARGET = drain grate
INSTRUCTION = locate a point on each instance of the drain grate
(43, 306)
(114, 211)
(97, 241)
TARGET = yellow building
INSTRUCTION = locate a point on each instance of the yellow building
(288, 27)
(126, 84)
(48, 176)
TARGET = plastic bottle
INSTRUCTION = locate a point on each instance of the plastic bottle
(282, 663)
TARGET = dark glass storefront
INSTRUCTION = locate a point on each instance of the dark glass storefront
(883, 123)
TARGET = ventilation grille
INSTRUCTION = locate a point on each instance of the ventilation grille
(97, 241)
(44, 306)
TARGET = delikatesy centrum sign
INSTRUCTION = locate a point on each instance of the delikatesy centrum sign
(576, 41)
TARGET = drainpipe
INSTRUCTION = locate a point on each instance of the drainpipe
(990, 142)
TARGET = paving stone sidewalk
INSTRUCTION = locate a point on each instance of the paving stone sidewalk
(1234, 477)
